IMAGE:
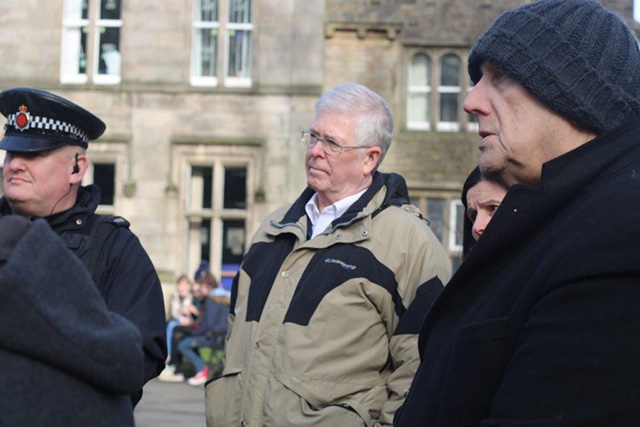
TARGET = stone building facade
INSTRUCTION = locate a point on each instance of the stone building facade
(204, 101)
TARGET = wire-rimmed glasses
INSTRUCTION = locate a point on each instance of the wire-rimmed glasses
(309, 139)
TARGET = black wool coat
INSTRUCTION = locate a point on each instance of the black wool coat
(66, 359)
(540, 324)
(121, 270)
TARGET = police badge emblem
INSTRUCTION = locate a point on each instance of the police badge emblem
(22, 118)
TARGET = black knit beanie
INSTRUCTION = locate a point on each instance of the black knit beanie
(575, 56)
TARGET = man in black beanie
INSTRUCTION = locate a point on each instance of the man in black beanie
(539, 324)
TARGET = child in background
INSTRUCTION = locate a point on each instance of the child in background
(181, 300)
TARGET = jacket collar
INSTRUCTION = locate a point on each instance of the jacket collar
(396, 194)
(597, 159)
(86, 204)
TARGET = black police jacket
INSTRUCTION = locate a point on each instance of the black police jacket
(121, 270)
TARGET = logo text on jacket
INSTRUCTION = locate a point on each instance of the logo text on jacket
(340, 263)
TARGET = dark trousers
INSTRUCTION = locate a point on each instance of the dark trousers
(180, 332)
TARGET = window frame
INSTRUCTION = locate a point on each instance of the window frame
(456, 224)
(441, 125)
(427, 90)
(224, 28)
(91, 26)
(197, 26)
(69, 45)
(450, 200)
(107, 23)
(104, 152)
(247, 28)
(218, 157)
(437, 54)
(104, 208)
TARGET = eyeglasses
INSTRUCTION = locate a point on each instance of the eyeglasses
(309, 139)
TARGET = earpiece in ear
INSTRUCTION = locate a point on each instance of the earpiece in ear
(76, 168)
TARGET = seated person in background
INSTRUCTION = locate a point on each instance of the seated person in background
(181, 300)
(210, 326)
(213, 326)
(481, 198)
(67, 360)
(188, 323)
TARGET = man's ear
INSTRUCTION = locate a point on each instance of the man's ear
(79, 168)
(371, 159)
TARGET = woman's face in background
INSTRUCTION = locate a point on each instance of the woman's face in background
(483, 200)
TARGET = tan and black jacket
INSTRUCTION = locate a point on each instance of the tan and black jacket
(322, 331)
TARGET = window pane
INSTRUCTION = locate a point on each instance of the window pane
(74, 38)
(448, 107)
(420, 72)
(435, 214)
(201, 187)
(239, 53)
(76, 9)
(104, 176)
(450, 71)
(207, 10)
(206, 42)
(240, 11)
(109, 51)
(75, 50)
(233, 232)
(110, 9)
(235, 188)
(233, 237)
(205, 239)
(418, 108)
(419, 92)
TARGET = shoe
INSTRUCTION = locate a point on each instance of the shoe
(169, 375)
(200, 378)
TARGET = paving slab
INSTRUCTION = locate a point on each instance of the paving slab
(171, 405)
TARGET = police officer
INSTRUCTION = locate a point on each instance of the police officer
(46, 137)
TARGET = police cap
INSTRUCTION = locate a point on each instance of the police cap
(38, 120)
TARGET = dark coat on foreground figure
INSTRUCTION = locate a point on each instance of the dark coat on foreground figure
(540, 324)
(121, 270)
(66, 360)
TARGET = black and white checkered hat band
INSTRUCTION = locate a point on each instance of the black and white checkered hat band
(49, 127)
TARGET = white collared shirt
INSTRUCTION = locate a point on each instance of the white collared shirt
(321, 220)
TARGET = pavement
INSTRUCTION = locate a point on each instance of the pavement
(171, 405)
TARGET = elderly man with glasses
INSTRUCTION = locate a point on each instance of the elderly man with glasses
(332, 292)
